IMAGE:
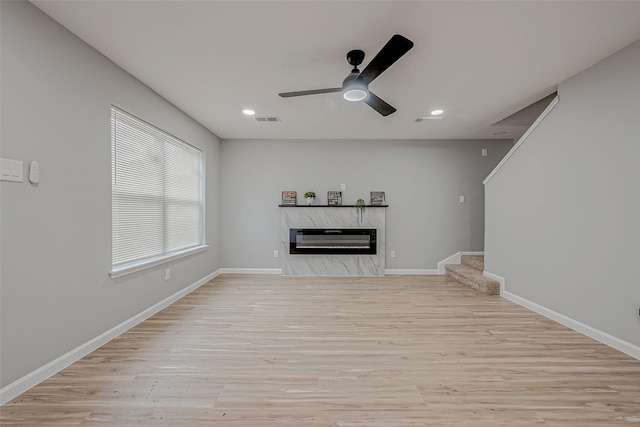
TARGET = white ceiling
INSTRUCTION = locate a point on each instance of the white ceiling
(480, 61)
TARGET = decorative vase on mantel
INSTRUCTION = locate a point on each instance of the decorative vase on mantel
(309, 197)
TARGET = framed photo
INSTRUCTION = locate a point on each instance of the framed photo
(377, 198)
(334, 198)
(289, 198)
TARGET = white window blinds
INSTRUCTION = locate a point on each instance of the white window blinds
(157, 194)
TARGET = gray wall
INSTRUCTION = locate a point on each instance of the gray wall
(562, 216)
(56, 292)
(422, 180)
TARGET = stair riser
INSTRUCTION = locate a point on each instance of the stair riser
(488, 288)
(473, 261)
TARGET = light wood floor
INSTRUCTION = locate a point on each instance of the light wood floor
(348, 352)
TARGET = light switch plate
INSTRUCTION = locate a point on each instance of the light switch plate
(11, 170)
(34, 172)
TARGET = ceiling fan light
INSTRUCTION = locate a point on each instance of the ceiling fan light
(354, 94)
(353, 89)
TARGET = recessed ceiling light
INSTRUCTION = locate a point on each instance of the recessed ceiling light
(437, 112)
(248, 112)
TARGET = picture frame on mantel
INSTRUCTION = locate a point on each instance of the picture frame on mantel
(334, 198)
(289, 198)
(377, 198)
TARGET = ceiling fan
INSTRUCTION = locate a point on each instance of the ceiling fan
(355, 86)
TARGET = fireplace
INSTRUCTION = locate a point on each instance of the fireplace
(333, 241)
(300, 258)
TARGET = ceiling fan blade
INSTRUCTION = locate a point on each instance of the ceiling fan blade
(310, 92)
(378, 104)
(390, 53)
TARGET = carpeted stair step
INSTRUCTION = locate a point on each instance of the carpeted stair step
(474, 278)
(474, 261)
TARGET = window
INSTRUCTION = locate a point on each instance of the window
(157, 202)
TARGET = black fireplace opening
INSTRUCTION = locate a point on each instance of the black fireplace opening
(333, 241)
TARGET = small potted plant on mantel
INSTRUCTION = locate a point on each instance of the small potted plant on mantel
(360, 208)
(309, 197)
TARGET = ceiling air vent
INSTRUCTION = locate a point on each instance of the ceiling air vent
(268, 119)
(426, 118)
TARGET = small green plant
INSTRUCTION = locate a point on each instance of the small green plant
(310, 194)
(360, 208)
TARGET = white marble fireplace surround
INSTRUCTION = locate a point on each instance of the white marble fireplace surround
(332, 217)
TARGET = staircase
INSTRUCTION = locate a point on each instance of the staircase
(470, 273)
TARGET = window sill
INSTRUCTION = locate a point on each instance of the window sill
(143, 265)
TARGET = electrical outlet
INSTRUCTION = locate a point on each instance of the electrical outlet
(343, 187)
(275, 254)
(393, 254)
(167, 274)
(461, 199)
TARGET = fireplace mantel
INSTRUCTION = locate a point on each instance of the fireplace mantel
(331, 206)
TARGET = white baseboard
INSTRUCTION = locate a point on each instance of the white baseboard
(598, 335)
(251, 271)
(279, 271)
(410, 271)
(454, 259)
(33, 378)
